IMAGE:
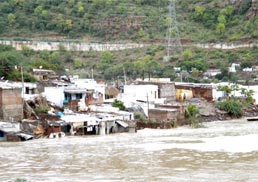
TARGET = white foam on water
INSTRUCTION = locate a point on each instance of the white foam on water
(231, 144)
(236, 136)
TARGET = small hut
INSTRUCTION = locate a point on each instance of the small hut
(111, 92)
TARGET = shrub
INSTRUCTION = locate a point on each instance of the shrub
(232, 106)
(118, 104)
(41, 109)
(192, 116)
(16, 76)
(139, 116)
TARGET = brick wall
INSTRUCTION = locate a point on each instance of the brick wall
(160, 115)
(198, 91)
(10, 104)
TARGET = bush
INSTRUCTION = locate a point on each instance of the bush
(41, 109)
(16, 76)
(139, 116)
(118, 104)
(232, 106)
(192, 116)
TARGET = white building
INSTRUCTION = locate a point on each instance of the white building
(248, 69)
(141, 92)
(90, 85)
(29, 89)
(212, 72)
(55, 95)
(232, 69)
(79, 90)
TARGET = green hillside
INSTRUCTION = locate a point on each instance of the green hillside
(127, 20)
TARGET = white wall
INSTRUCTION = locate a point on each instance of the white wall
(254, 88)
(90, 84)
(140, 92)
(55, 95)
(81, 46)
(217, 94)
(238, 93)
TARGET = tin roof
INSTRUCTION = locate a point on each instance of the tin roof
(123, 124)
(75, 90)
(9, 127)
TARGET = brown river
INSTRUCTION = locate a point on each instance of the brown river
(221, 151)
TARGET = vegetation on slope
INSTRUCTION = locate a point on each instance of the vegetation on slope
(137, 63)
(137, 20)
(234, 105)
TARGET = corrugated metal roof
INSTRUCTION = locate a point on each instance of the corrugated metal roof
(123, 124)
(25, 136)
(9, 127)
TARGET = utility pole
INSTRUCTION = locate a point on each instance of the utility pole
(124, 75)
(92, 74)
(148, 107)
(173, 46)
(22, 92)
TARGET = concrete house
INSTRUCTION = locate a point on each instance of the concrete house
(232, 68)
(166, 88)
(186, 91)
(141, 92)
(43, 74)
(71, 96)
(212, 72)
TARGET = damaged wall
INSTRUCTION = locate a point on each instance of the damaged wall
(165, 90)
(198, 91)
(163, 115)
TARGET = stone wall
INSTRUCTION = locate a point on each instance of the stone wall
(85, 46)
(71, 46)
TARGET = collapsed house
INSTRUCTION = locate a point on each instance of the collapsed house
(166, 88)
(10, 131)
(187, 91)
(89, 124)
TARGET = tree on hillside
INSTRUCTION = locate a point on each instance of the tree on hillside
(8, 61)
(220, 29)
(198, 13)
(106, 59)
(11, 19)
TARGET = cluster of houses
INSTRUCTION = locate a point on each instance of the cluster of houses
(84, 106)
(212, 72)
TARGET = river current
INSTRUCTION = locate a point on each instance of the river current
(221, 151)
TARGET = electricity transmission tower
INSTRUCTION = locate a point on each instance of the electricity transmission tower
(173, 46)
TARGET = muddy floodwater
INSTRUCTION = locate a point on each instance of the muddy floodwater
(222, 151)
